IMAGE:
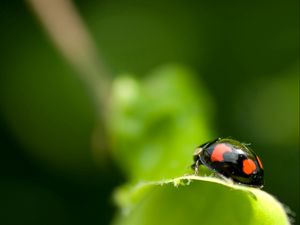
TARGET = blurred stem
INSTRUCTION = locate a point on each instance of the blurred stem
(68, 32)
(64, 25)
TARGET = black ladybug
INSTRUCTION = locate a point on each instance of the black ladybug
(231, 159)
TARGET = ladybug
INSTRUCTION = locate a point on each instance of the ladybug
(230, 159)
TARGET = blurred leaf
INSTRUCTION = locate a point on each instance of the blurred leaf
(197, 200)
(157, 122)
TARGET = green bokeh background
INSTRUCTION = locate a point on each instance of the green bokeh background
(242, 59)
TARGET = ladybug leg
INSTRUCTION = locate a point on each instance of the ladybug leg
(226, 179)
(195, 166)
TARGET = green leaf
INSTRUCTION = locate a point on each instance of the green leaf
(197, 200)
(156, 122)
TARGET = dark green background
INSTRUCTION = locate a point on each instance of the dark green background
(246, 54)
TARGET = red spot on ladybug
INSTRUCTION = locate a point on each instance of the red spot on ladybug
(218, 152)
(248, 166)
(259, 162)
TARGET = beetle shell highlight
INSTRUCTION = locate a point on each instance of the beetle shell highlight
(231, 159)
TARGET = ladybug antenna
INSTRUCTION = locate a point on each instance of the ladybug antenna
(246, 144)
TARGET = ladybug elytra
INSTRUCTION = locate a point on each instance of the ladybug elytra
(231, 159)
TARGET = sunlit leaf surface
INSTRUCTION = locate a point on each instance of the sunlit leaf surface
(197, 200)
